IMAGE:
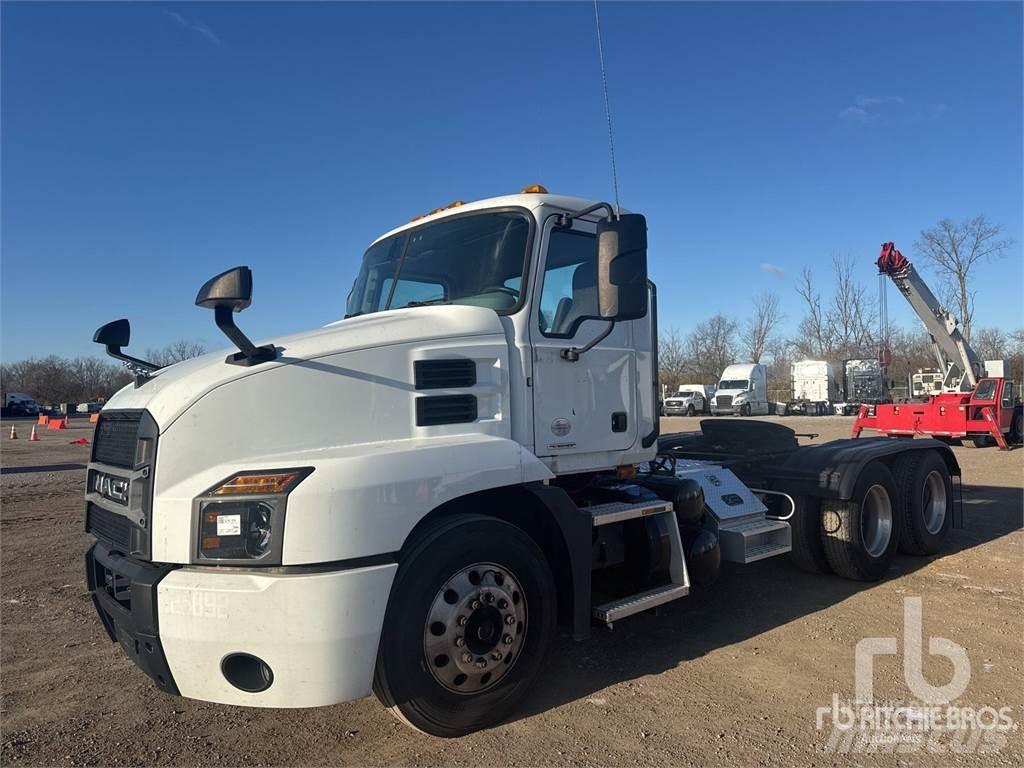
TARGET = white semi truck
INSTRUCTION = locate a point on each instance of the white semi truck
(742, 390)
(407, 501)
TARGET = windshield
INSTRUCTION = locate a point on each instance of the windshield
(733, 384)
(476, 259)
(685, 393)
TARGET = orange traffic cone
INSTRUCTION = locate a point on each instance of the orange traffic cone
(14, 433)
(33, 436)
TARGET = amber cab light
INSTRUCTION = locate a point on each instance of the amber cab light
(260, 482)
(534, 189)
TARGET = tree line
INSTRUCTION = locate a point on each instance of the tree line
(53, 380)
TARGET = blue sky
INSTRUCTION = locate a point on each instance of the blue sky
(149, 146)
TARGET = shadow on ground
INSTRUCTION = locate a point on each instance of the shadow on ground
(747, 600)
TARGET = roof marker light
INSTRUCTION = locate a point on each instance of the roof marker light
(534, 189)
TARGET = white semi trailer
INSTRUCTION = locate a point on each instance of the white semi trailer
(814, 388)
(408, 500)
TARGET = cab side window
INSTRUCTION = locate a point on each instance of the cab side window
(1007, 394)
(569, 288)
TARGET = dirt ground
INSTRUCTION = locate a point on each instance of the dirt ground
(731, 675)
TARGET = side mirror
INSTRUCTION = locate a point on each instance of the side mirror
(231, 289)
(225, 294)
(622, 267)
(114, 334)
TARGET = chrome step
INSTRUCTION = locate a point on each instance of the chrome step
(643, 601)
(754, 540)
(617, 511)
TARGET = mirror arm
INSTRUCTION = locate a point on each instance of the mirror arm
(116, 353)
(250, 354)
(572, 354)
(565, 219)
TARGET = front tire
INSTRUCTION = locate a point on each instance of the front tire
(470, 617)
(861, 536)
(745, 409)
(691, 411)
(927, 502)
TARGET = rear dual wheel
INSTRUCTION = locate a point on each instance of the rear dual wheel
(926, 502)
(860, 536)
(471, 614)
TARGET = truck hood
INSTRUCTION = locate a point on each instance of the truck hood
(170, 391)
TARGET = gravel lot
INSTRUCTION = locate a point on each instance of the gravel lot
(730, 675)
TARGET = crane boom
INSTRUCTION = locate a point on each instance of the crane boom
(955, 356)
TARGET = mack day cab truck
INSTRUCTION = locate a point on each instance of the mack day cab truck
(409, 500)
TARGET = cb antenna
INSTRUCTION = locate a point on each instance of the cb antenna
(607, 108)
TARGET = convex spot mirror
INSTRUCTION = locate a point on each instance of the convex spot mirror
(228, 289)
(622, 267)
(114, 334)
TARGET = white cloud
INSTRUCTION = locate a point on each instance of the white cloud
(194, 25)
(866, 108)
(773, 269)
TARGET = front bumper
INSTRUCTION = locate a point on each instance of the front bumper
(318, 630)
(124, 593)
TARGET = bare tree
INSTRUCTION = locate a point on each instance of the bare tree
(671, 359)
(710, 348)
(175, 352)
(991, 344)
(843, 327)
(757, 331)
(953, 250)
(815, 335)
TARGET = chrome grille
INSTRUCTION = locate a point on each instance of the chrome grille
(723, 401)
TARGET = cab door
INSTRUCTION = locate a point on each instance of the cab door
(586, 406)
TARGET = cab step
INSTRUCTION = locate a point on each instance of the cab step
(754, 540)
(642, 601)
(617, 511)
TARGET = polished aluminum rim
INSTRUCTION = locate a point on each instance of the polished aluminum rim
(876, 520)
(934, 501)
(475, 628)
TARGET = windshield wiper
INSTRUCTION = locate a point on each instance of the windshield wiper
(427, 302)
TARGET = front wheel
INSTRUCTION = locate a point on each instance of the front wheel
(860, 536)
(691, 411)
(745, 409)
(471, 614)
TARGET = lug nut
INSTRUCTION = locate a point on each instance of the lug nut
(475, 605)
(488, 598)
(461, 621)
(467, 657)
(503, 604)
(459, 642)
(496, 655)
(510, 619)
(481, 663)
(507, 639)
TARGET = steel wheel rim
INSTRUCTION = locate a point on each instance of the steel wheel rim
(934, 502)
(876, 520)
(475, 628)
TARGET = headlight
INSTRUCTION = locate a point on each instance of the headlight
(241, 520)
(740, 397)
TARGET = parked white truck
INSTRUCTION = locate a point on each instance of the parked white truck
(689, 400)
(408, 500)
(742, 390)
(814, 388)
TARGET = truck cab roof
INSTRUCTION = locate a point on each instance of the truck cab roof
(530, 201)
